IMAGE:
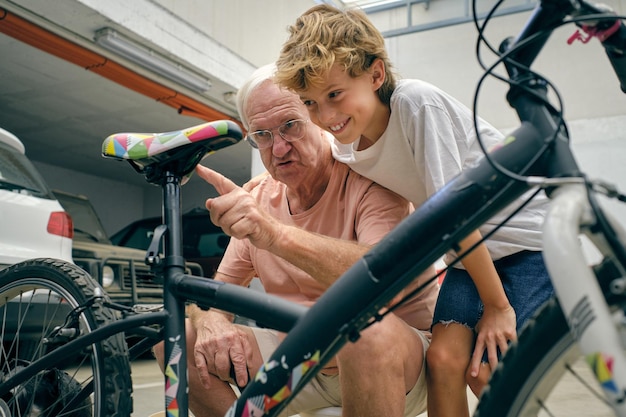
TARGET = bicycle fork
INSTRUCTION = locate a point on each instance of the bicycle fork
(584, 305)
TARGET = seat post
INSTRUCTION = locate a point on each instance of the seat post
(174, 266)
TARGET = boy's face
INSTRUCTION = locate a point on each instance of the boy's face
(349, 107)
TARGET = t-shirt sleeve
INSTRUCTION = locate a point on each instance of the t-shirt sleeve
(440, 131)
(237, 262)
(439, 154)
(379, 211)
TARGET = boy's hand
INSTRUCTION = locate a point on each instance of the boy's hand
(495, 329)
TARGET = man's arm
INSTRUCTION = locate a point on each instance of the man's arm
(239, 215)
(322, 257)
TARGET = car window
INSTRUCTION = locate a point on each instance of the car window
(141, 236)
(18, 174)
(87, 225)
(201, 238)
(213, 244)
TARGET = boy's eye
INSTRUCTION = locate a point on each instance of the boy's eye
(307, 102)
(334, 94)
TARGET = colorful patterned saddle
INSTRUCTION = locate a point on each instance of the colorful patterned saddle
(175, 153)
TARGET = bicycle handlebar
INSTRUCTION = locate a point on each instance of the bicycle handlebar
(603, 24)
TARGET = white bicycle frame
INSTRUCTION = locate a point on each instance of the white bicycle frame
(584, 306)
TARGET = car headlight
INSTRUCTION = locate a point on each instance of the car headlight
(108, 276)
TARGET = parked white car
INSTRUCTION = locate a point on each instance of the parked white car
(33, 223)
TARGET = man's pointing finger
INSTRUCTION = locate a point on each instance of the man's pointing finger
(222, 184)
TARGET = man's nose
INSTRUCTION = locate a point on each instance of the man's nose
(280, 147)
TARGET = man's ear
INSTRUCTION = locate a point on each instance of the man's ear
(377, 72)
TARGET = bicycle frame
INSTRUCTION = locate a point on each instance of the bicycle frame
(539, 148)
(581, 298)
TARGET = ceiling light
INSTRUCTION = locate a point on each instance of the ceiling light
(148, 59)
(230, 97)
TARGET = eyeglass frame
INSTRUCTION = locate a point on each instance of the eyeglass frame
(255, 144)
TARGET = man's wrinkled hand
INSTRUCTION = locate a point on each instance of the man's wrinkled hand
(221, 348)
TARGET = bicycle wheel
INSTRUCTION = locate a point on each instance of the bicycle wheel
(543, 374)
(35, 297)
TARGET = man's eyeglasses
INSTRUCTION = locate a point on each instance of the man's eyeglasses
(291, 131)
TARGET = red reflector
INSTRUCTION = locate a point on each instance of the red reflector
(60, 224)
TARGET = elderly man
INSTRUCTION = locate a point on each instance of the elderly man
(298, 230)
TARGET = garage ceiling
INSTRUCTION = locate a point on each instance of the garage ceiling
(62, 112)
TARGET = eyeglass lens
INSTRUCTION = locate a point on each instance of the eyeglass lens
(291, 131)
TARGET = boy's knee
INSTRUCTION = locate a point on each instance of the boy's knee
(441, 359)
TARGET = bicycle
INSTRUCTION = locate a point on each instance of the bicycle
(536, 156)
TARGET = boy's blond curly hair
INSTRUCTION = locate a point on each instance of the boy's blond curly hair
(325, 35)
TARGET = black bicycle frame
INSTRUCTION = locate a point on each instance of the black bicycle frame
(539, 147)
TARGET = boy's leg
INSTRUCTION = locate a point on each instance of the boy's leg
(448, 358)
(456, 314)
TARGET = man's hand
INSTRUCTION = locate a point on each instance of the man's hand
(249, 186)
(221, 346)
(237, 212)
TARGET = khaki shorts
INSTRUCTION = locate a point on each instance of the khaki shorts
(324, 390)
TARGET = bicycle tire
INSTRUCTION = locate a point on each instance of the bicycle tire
(35, 296)
(543, 374)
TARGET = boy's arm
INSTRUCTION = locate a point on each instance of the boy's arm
(498, 324)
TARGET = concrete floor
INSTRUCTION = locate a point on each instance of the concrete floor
(569, 399)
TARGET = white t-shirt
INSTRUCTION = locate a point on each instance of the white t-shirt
(429, 140)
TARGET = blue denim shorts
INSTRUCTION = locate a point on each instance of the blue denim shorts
(525, 280)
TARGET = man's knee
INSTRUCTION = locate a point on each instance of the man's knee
(158, 351)
(387, 341)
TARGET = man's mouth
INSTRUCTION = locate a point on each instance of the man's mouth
(284, 163)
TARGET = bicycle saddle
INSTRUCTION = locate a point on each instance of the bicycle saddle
(176, 152)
